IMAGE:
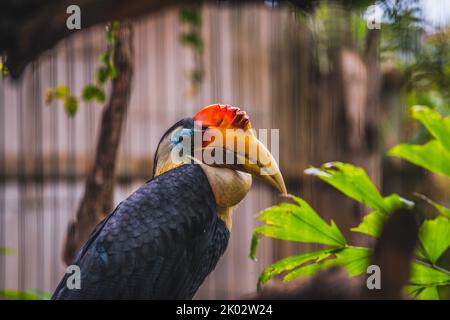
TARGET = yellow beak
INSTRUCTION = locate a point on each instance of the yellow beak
(241, 150)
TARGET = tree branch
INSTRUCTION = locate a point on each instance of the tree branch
(28, 28)
(97, 201)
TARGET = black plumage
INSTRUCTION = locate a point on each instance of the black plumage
(159, 243)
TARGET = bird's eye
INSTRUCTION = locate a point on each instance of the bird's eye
(179, 135)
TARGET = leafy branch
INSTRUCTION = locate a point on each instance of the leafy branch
(93, 92)
(7, 251)
(25, 295)
(191, 17)
(3, 70)
(21, 295)
(299, 222)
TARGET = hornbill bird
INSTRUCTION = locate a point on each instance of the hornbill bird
(164, 239)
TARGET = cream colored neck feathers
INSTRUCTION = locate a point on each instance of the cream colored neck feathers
(229, 188)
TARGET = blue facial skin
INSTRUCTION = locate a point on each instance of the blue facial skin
(178, 135)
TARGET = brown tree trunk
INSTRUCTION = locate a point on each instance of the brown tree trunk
(97, 201)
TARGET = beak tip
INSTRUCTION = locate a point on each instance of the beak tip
(284, 192)
(280, 185)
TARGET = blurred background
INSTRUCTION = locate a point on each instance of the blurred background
(335, 85)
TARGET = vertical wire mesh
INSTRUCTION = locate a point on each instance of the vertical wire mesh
(23, 192)
(55, 176)
(39, 181)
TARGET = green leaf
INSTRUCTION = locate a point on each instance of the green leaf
(423, 293)
(440, 208)
(112, 71)
(115, 25)
(111, 37)
(306, 271)
(105, 58)
(435, 237)
(296, 223)
(355, 183)
(4, 70)
(422, 274)
(62, 92)
(191, 16)
(420, 253)
(431, 156)
(350, 180)
(291, 263)
(192, 39)
(434, 155)
(428, 293)
(93, 92)
(7, 251)
(371, 224)
(197, 76)
(102, 74)
(353, 259)
(89, 92)
(71, 105)
(48, 96)
(437, 125)
(25, 295)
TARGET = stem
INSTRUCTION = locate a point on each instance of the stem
(97, 201)
(430, 285)
(433, 266)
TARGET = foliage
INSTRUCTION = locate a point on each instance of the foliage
(21, 295)
(434, 236)
(299, 222)
(402, 29)
(355, 183)
(419, 51)
(284, 220)
(191, 17)
(435, 154)
(94, 92)
(428, 76)
(4, 70)
(25, 295)
(422, 57)
(6, 251)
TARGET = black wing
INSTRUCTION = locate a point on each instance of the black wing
(160, 243)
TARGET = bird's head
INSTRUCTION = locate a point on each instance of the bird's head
(220, 139)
